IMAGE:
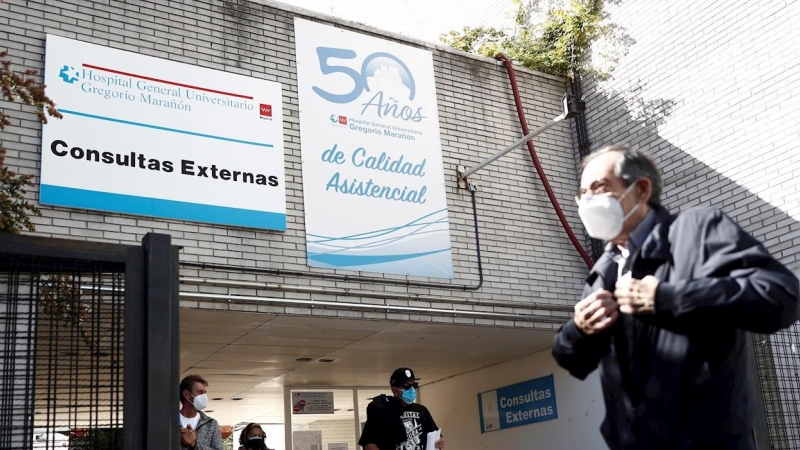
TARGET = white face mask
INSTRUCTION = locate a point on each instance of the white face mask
(602, 215)
(200, 402)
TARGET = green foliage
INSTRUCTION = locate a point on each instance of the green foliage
(558, 45)
(60, 298)
(227, 444)
(23, 88)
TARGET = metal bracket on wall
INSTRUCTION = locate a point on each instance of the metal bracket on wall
(463, 183)
(571, 107)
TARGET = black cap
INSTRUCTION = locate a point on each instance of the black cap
(401, 375)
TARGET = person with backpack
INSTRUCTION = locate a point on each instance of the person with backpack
(666, 311)
(397, 422)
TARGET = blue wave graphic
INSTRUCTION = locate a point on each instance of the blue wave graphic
(375, 233)
(365, 260)
(382, 242)
(419, 247)
(386, 242)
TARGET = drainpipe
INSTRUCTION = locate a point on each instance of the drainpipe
(539, 169)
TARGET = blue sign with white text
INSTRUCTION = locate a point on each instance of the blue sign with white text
(519, 404)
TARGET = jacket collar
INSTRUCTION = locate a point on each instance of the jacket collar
(203, 417)
(656, 245)
(604, 268)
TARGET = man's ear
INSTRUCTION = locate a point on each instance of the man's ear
(645, 188)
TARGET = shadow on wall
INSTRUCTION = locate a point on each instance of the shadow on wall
(624, 117)
(628, 119)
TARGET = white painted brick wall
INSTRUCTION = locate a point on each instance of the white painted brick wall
(527, 256)
(709, 90)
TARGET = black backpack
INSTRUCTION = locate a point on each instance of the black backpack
(385, 411)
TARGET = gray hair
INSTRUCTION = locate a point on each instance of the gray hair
(632, 166)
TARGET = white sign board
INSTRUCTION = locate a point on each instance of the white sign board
(312, 403)
(337, 446)
(148, 136)
(373, 181)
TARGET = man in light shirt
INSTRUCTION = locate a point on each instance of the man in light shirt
(198, 431)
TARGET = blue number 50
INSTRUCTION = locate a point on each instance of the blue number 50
(324, 53)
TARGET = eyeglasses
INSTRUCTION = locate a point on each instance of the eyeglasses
(599, 187)
(408, 386)
(598, 194)
(603, 187)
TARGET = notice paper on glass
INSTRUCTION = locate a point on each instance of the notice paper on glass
(433, 436)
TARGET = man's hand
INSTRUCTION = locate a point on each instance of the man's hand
(439, 444)
(636, 296)
(596, 312)
(188, 437)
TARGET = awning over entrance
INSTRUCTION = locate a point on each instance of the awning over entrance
(248, 358)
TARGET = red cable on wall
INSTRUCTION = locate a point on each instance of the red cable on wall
(539, 169)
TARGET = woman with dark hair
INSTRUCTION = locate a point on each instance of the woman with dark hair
(253, 438)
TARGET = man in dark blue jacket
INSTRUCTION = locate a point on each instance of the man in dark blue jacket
(665, 312)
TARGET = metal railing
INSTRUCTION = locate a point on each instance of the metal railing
(777, 359)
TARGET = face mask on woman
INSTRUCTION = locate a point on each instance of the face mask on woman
(255, 443)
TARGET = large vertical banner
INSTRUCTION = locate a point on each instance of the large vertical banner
(373, 181)
(148, 136)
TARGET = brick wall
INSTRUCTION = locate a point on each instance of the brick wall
(706, 89)
(526, 254)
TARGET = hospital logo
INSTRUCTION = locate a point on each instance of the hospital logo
(338, 120)
(68, 74)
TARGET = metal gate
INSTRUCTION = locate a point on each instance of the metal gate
(88, 344)
(777, 359)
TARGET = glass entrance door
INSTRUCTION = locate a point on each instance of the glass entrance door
(326, 418)
(322, 419)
